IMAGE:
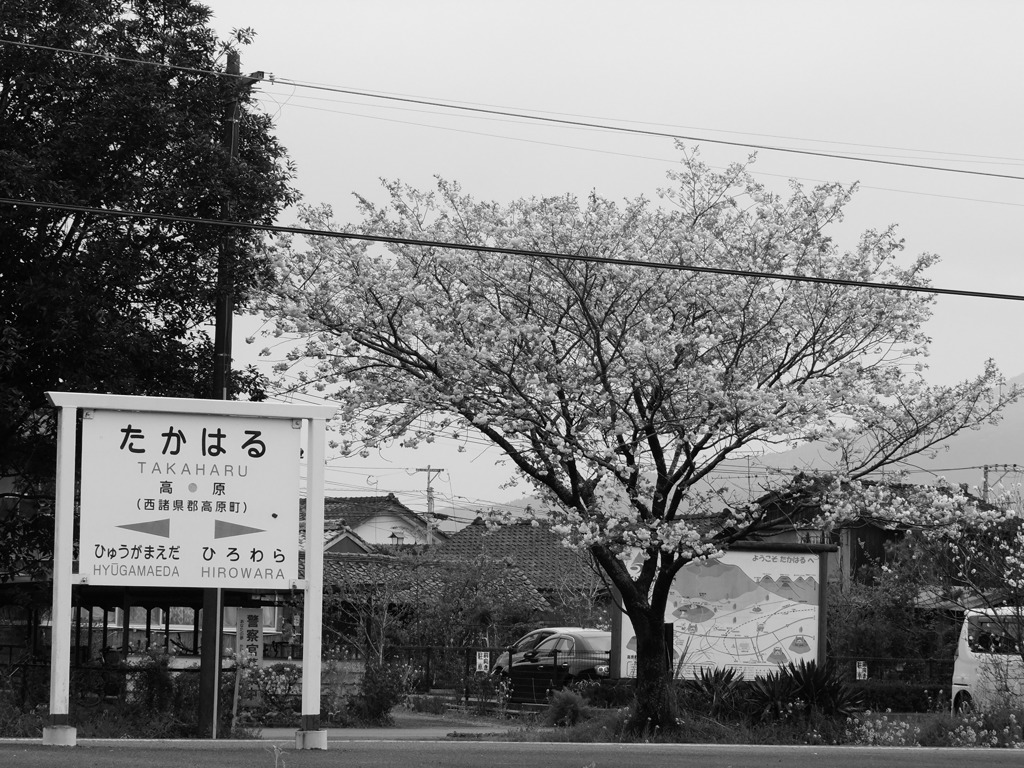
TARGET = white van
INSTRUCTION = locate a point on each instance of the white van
(988, 670)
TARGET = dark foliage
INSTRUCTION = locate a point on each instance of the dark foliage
(898, 696)
(807, 690)
(115, 104)
(381, 688)
(716, 691)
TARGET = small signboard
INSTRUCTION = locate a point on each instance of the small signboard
(862, 670)
(189, 500)
(483, 661)
(249, 639)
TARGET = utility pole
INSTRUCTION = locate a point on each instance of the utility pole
(225, 300)
(213, 598)
(431, 471)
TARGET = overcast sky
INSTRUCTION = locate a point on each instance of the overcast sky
(924, 83)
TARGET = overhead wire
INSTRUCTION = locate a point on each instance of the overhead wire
(649, 158)
(657, 134)
(541, 117)
(581, 257)
(522, 119)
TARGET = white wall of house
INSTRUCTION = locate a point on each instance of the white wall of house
(381, 528)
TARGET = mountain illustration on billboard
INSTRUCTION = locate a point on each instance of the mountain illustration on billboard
(802, 589)
(714, 581)
(694, 612)
(800, 645)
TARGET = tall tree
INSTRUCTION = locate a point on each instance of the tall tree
(619, 389)
(116, 104)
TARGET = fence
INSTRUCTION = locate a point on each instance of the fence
(147, 688)
(924, 671)
(466, 671)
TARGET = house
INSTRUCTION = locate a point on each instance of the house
(567, 579)
(363, 523)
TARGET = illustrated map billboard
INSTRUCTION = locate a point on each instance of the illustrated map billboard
(748, 610)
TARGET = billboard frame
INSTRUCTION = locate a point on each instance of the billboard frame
(822, 551)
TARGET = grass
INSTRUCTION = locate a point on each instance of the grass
(997, 729)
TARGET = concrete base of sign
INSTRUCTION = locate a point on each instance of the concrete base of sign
(311, 739)
(60, 736)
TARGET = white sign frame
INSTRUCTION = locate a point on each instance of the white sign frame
(59, 732)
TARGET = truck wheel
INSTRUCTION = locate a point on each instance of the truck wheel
(964, 704)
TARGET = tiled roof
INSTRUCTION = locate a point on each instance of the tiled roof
(342, 512)
(534, 550)
(411, 579)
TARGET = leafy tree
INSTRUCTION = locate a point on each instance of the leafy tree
(978, 563)
(892, 609)
(378, 602)
(618, 389)
(116, 104)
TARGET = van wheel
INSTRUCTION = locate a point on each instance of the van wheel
(964, 704)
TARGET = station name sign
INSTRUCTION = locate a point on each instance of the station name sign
(189, 500)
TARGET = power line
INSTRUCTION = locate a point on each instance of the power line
(583, 257)
(540, 117)
(268, 99)
(650, 133)
(969, 157)
(632, 155)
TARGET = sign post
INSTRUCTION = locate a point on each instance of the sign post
(187, 493)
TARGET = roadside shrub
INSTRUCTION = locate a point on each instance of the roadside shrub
(896, 696)
(716, 691)
(600, 727)
(153, 683)
(16, 722)
(566, 708)
(808, 690)
(823, 689)
(382, 687)
(606, 694)
(772, 696)
(431, 705)
(869, 730)
(276, 687)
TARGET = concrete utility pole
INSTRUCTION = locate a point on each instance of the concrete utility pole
(431, 471)
(213, 602)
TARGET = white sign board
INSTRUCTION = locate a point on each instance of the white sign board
(249, 626)
(749, 610)
(189, 500)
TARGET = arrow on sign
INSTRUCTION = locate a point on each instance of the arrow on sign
(153, 527)
(222, 530)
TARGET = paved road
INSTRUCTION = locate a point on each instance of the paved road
(473, 754)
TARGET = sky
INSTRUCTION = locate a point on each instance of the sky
(926, 83)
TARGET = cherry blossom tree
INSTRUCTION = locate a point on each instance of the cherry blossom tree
(619, 381)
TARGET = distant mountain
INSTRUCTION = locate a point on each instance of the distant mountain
(960, 459)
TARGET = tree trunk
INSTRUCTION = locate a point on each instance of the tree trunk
(654, 705)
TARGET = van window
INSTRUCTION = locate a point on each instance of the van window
(990, 634)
